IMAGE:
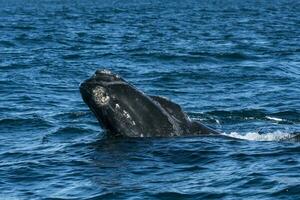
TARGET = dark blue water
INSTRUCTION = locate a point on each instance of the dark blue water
(234, 65)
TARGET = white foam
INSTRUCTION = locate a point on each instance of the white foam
(254, 136)
(274, 118)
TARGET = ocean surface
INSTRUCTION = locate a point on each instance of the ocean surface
(234, 65)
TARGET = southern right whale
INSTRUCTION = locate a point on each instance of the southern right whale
(122, 109)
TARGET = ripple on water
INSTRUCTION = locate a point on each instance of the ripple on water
(66, 134)
(25, 122)
(239, 74)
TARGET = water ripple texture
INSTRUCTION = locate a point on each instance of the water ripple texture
(234, 65)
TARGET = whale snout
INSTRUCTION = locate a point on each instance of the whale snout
(103, 71)
(86, 86)
(100, 77)
(85, 91)
(105, 76)
(94, 93)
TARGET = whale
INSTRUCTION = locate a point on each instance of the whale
(124, 110)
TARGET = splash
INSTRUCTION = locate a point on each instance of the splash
(255, 136)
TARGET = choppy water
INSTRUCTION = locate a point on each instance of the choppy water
(235, 65)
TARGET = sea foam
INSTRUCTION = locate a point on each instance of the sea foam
(255, 136)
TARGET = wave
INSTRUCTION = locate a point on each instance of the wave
(68, 130)
(67, 134)
(71, 115)
(71, 57)
(255, 136)
(259, 114)
(170, 57)
(13, 122)
(101, 21)
(225, 55)
(6, 43)
(23, 27)
(195, 56)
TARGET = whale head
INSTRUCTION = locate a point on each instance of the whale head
(94, 90)
(122, 109)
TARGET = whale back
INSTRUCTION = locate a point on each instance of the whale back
(175, 111)
(137, 115)
(187, 126)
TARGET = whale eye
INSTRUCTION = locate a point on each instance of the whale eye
(100, 96)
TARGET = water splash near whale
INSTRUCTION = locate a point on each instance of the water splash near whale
(256, 136)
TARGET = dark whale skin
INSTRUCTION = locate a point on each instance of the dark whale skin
(123, 110)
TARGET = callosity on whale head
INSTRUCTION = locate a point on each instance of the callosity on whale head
(123, 110)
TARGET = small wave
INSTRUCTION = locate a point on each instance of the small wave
(101, 21)
(7, 43)
(12, 122)
(23, 27)
(274, 119)
(257, 114)
(291, 115)
(239, 115)
(227, 55)
(255, 136)
(69, 130)
(172, 195)
(67, 134)
(71, 57)
(233, 56)
(71, 115)
(172, 57)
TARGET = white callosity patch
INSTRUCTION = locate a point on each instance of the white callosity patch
(100, 96)
(105, 71)
(125, 114)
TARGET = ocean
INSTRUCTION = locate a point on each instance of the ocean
(233, 65)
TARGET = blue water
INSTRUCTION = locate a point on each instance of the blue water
(234, 65)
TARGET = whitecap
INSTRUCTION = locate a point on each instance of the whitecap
(274, 118)
(255, 136)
